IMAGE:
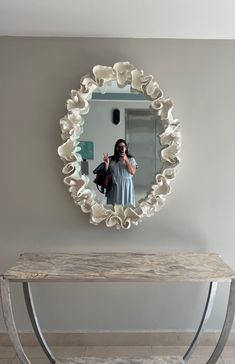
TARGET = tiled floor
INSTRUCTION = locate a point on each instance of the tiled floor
(200, 356)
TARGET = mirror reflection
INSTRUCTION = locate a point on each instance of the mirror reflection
(120, 145)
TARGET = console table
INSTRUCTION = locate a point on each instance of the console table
(117, 267)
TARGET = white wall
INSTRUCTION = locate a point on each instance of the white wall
(37, 213)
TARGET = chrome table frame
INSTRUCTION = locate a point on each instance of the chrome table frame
(14, 337)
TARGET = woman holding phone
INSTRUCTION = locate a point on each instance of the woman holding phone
(122, 166)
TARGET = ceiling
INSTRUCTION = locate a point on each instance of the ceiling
(180, 19)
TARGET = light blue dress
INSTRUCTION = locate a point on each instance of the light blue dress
(122, 191)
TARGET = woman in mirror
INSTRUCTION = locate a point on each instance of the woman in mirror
(122, 166)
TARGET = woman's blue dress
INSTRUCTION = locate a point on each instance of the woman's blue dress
(122, 191)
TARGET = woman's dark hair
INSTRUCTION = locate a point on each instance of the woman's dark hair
(116, 156)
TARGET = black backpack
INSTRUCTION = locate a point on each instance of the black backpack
(103, 179)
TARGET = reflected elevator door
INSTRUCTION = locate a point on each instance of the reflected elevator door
(143, 143)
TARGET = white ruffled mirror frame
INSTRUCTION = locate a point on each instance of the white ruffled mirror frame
(124, 73)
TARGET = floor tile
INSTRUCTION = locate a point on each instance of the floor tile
(199, 356)
(34, 352)
(228, 352)
(204, 351)
(68, 351)
(7, 352)
(202, 360)
(169, 350)
(37, 355)
(113, 351)
(229, 361)
(34, 361)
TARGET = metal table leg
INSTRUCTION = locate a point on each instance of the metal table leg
(34, 321)
(226, 327)
(12, 331)
(205, 317)
(10, 322)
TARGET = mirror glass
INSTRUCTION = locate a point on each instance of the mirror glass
(121, 113)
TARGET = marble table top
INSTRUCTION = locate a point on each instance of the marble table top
(120, 267)
(124, 360)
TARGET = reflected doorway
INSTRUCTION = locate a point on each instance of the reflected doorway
(142, 130)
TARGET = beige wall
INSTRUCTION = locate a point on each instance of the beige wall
(37, 213)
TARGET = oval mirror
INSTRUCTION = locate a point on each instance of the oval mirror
(120, 145)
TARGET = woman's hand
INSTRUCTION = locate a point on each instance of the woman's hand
(106, 160)
(124, 157)
(130, 167)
